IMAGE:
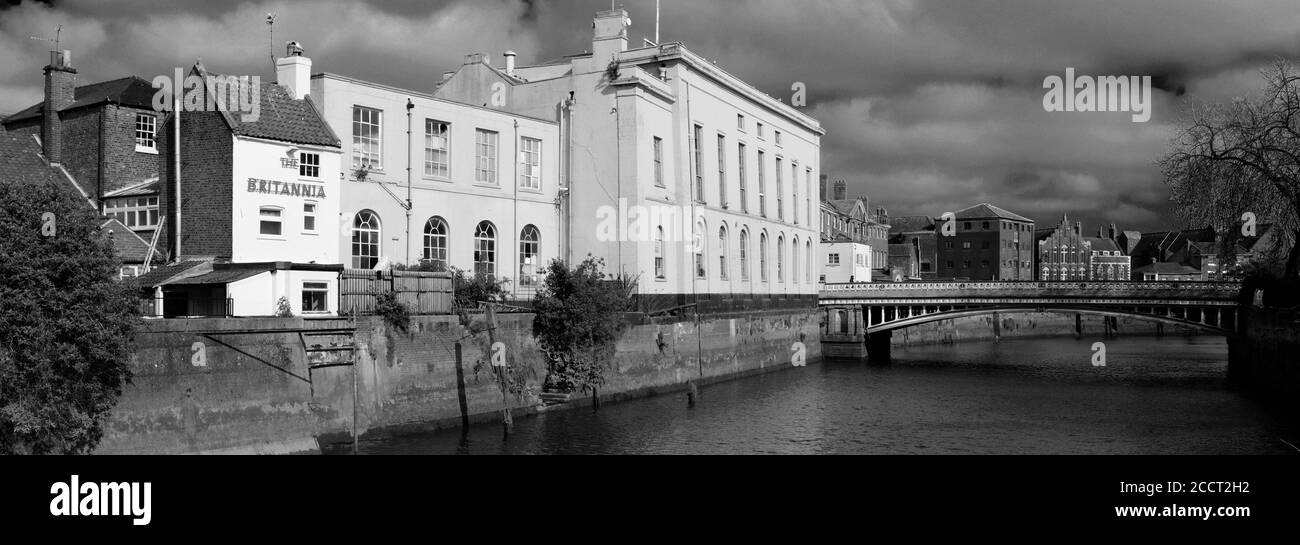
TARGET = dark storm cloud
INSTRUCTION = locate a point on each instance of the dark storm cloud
(929, 105)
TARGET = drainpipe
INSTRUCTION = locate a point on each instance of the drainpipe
(515, 222)
(409, 106)
(176, 168)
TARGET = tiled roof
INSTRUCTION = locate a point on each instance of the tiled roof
(845, 206)
(130, 247)
(129, 91)
(908, 224)
(218, 277)
(986, 210)
(283, 118)
(1102, 244)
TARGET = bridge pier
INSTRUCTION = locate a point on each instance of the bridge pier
(878, 347)
(997, 328)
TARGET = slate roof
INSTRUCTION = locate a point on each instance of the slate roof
(130, 247)
(160, 275)
(148, 187)
(909, 224)
(128, 91)
(986, 210)
(281, 117)
(1102, 244)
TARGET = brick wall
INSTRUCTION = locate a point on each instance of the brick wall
(207, 194)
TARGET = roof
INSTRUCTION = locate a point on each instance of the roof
(280, 117)
(161, 275)
(1165, 267)
(986, 210)
(130, 247)
(1102, 244)
(146, 187)
(908, 224)
(128, 91)
(218, 277)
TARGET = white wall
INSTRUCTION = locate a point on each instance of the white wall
(855, 262)
(259, 295)
(458, 198)
(260, 160)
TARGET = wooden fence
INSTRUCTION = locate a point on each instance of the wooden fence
(422, 292)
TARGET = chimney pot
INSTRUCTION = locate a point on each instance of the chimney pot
(510, 62)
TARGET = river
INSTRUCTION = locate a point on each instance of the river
(1024, 396)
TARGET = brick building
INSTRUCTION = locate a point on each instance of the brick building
(1063, 253)
(914, 246)
(989, 244)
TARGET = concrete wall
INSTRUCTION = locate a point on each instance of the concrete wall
(231, 399)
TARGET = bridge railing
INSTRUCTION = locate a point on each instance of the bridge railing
(1212, 290)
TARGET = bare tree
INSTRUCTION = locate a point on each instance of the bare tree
(1243, 157)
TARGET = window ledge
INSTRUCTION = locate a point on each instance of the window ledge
(142, 149)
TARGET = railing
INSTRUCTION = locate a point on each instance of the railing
(422, 292)
(1226, 287)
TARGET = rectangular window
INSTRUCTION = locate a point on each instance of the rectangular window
(832, 259)
(437, 149)
(722, 171)
(530, 171)
(659, 161)
(309, 217)
(778, 137)
(760, 131)
(965, 245)
(984, 226)
(965, 226)
(146, 132)
(485, 155)
(740, 172)
(780, 190)
(136, 212)
(315, 297)
(367, 140)
(309, 165)
(762, 184)
(794, 201)
(698, 146)
(965, 264)
(740, 122)
(270, 221)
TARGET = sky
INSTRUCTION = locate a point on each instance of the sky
(929, 106)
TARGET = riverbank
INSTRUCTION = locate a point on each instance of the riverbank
(244, 385)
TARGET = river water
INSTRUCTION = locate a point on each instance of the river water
(1036, 396)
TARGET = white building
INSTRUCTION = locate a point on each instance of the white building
(845, 262)
(431, 180)
(664, 148)
(253, 217)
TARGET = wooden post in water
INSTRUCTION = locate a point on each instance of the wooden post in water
(997, 328)
(506, 419)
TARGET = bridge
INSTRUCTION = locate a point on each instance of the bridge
(860, 316)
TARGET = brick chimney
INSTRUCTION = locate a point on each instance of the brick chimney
(60, 92)
(293, 72)
(841, 191)
(610, 37)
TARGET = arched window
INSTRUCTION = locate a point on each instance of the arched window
(529, 244)
(722, 252)
(762, 257)
(435, 243)
(485, 249)
(794, 260)
(780, 258)
(659, 253)
(808, 261)
(701, 270)
(744, 255)
(365, 240)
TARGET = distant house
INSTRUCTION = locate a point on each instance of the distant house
(1165, 271)
(914, 246)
